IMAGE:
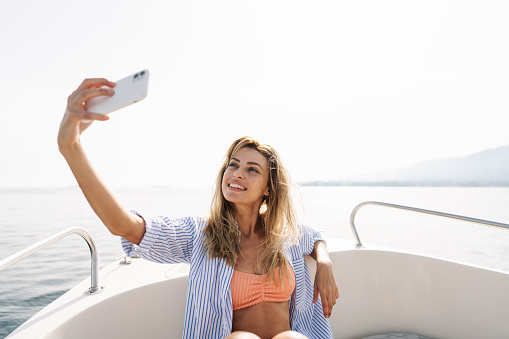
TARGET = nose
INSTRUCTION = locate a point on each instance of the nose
(238, 173)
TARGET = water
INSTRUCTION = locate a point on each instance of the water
(29, 215)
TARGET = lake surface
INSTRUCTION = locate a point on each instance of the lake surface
(29, 215)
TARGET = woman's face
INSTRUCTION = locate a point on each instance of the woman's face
(245, 180)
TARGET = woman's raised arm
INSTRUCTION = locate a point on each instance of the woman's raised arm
(102, 200)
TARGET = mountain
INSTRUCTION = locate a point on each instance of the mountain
(486, 168)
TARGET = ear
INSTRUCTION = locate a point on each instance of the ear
(266, 193)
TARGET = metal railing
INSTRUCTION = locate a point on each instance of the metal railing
(95, 288)
(419, 210)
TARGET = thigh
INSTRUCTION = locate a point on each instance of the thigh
(290, 335)
(242, 335)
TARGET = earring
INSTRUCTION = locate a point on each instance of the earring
(263, 207)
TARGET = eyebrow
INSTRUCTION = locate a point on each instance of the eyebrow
(249, 162)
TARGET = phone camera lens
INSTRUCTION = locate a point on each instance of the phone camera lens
(136, 75)
(142, 73)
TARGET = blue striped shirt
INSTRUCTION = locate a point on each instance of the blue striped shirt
(209, 308)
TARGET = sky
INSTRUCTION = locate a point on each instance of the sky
(337, 87)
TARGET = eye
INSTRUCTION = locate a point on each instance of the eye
(233, 164)
(253, 169)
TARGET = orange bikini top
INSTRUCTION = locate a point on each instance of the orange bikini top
(251, 289)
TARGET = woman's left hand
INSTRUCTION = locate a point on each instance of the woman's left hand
(325, 282)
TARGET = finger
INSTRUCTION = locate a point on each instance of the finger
(92, 93)
(90, 84)
(325, 307)
(315, 295)
(330, 303)
(329, 299)
(95, 116)
(77, 99)
(87, 116)
(334, 294)
(95, 83)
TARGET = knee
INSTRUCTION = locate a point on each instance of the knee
(242, 335)
(290, 335)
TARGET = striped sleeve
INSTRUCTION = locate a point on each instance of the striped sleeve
(307, 239)
(166, 240)
(307, 317)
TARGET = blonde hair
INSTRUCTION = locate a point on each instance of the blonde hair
(277, 216)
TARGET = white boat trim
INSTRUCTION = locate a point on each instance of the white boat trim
(382, 290)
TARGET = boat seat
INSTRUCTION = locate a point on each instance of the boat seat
(396, 336)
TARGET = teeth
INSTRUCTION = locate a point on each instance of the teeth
(238, 186)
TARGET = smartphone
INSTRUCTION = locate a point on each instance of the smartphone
(128, 90)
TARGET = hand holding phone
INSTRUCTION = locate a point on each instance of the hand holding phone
(128, 90)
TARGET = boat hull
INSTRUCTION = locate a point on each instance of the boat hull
(381, 291)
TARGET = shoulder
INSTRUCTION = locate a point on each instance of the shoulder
(180, 225)
(303, 242)
(189, 221)
(305, 233)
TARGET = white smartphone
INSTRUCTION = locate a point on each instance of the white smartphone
(128, 90)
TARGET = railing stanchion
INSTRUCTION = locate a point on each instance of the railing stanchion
(94, 255)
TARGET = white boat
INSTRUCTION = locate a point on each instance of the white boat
(384, 293)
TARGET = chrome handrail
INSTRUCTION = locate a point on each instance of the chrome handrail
(95, 288)
(420, 210)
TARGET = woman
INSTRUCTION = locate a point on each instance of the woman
(248, 278)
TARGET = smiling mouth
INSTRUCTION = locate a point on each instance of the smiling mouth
(237, 186)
